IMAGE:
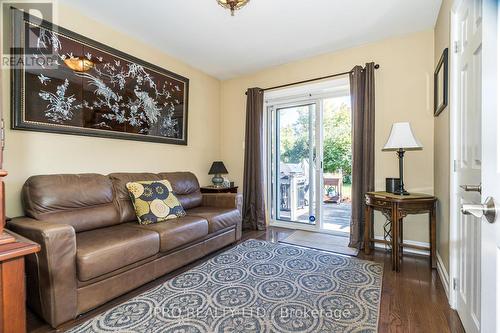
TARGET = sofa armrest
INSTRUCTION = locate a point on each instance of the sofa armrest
(223, 200)
(226, 200)
(51, 273)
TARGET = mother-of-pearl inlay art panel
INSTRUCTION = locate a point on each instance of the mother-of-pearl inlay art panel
(67, 83)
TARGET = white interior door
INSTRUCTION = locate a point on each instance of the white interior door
(490, 232)
(476, 128)
(468, 159)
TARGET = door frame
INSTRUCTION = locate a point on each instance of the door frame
(453, 104)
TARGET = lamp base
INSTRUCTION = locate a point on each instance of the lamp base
(217, 180)
(401, 192)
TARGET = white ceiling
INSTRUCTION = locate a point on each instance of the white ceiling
(264, 33)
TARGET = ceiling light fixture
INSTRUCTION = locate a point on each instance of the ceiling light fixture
(232, 4)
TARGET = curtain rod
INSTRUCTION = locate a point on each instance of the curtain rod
(377, 66)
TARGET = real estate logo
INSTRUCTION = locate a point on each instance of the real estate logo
(20, 46)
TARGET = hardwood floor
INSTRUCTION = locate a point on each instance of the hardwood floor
(413, 300)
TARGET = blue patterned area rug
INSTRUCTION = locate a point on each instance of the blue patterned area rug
(256, 286)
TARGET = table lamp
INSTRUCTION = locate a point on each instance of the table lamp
(400, 140)
(218, 168)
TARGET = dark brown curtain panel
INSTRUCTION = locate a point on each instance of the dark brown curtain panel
(362, 82)
(254, 217)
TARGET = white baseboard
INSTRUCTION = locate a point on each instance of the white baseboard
(443, 275)
(442, 272)
(406, 249)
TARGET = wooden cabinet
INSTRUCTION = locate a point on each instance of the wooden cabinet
(12, 283)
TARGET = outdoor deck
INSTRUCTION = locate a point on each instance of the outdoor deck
(337, 217)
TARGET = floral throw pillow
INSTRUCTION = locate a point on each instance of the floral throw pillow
(154, 201)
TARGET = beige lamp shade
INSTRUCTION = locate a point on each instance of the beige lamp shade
(402, 137)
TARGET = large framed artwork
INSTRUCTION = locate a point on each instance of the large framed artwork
(66, 83)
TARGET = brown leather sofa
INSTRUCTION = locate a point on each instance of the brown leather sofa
(93, 250)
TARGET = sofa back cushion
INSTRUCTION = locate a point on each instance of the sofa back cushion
(185, 185)
(122, 196)
(186, 188)
(84, 201)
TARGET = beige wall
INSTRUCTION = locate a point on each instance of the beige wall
(403, 93)
(30, 153)
(442, 143)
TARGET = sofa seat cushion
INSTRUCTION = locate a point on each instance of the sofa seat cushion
(104, 250)
(177, 232)
(218, 218)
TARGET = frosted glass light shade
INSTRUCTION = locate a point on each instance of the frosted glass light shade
(79, 64)
(402, 137)
(237, 3)
(232, 4)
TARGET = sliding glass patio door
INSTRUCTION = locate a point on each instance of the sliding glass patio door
(309, 163)
(294, 168)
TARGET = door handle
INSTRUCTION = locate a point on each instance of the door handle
(488, 210)
(471, 188)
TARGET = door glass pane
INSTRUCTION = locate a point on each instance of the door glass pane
(293, 164)
(337, 162)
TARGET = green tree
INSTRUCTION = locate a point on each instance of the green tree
(294, 139)
(337, 155)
